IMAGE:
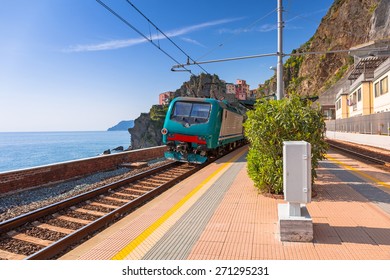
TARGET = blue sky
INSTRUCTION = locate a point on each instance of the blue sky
(70, 65)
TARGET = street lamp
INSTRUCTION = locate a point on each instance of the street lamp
(279, 72)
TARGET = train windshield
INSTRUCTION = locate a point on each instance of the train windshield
(191, 112)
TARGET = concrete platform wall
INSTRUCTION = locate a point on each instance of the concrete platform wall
(27, 178)
(381, 141)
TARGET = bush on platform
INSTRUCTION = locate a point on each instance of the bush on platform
(269, 125)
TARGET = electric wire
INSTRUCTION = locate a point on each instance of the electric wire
(140, 33)
(166, 36)
(231, 37)
(276, 54)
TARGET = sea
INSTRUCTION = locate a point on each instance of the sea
(20, 150)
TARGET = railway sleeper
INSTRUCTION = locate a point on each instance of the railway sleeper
(108, 206)
(31, 239)
(143, 188)
(125, 194)
(71, 219)
(166, 177)
(91, 212)
(179, 170)
(176, 172)
(91, 207)
(149, 184)
(129, 192)
(139, 192)
(19, 247)
(6, 255)
(157, 181)
(116, 201)
(52, 228)
(61, 223)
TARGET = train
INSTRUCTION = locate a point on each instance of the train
(196, 129)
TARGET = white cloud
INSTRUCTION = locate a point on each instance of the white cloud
(110, 45)
(266, 28)
(262, 28)
(117, 44)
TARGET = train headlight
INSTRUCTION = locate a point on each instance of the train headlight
(164, 131)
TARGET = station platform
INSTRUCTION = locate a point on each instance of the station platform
(218, 214)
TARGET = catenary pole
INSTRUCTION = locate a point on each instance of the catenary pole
(279, 68)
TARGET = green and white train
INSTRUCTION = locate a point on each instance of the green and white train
(197, 128)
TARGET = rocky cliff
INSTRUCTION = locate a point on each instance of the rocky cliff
(348, 23)
(380, 22)
(204, 85)
(147, 127)
(145, 133)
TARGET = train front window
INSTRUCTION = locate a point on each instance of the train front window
(200, 110)
(182, 109)
(191, 112)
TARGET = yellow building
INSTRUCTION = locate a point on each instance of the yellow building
(381, 95)
(368, 91)
(360, 97)
(341, 105)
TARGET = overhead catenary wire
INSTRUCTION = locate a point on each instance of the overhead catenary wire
(231, 37)
(276, 54)
(141, 34)
(166, 36)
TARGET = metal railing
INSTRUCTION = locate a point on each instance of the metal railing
(370, 124)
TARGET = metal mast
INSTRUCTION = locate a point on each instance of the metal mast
(279, 69)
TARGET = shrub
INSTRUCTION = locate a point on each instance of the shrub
(269, 125)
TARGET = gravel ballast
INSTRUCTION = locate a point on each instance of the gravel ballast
(13, 205)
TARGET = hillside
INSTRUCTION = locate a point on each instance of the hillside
(348, 23)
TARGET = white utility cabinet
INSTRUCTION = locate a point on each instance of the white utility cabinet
(296, 172)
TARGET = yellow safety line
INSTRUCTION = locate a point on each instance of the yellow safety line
(147, 232)
(363, 174)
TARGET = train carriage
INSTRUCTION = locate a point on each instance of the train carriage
(197, 128)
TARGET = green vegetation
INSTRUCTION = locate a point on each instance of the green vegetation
(334, 79)
(372, 9)
(275, 121)
(291, 72)
(158, 112)
(157, 117)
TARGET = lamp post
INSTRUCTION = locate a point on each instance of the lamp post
(279, 74)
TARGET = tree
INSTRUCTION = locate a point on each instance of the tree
(269, 125)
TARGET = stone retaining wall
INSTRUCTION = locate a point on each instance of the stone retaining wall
(54, 173)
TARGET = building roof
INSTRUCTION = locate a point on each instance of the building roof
(365, 65)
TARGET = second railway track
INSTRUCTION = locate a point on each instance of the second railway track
(48, 231)
(379, 159)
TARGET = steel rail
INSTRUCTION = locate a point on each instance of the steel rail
(360, 155)
(8, 225)
(64, 243)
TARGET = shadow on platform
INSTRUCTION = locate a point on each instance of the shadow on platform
(344, 177)
(326, 234)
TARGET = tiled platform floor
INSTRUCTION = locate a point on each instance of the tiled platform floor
(346, 224)
(350, 212)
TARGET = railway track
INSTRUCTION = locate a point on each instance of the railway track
(46, 232)
(366, 155)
